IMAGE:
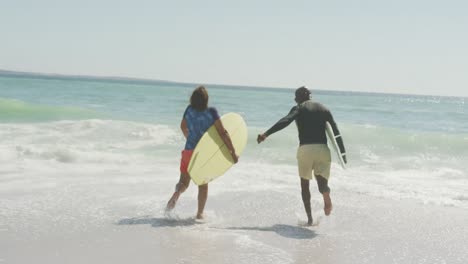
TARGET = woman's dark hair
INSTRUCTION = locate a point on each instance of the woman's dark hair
(199, 98)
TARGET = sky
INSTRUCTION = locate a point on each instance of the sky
(398, 46)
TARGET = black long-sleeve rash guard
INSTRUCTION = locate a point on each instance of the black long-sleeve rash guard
(310, 119)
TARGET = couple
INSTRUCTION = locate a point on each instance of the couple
(313, 155)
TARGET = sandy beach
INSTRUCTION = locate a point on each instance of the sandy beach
(115, 221)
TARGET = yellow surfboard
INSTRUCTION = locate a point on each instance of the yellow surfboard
(211, 157)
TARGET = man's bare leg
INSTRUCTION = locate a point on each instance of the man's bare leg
(202, 197)
(305, 192)
(322, 183)
(327, 208)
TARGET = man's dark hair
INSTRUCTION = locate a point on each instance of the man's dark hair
(302, 91)
(199, 98)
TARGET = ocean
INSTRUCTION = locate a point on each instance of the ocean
(75, 148)
(399, 146)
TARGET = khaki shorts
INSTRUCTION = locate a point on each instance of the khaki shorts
(314, 158)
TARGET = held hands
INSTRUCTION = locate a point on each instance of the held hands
(261, 138)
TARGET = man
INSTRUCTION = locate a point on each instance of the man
(313, 154)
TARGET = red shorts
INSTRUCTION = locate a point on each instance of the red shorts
(185, 160)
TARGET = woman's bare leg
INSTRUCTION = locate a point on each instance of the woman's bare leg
(202, 197)
(181, 186)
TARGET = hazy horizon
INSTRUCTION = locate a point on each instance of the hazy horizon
(48, 75)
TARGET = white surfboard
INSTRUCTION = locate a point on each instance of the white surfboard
(332, 139)
(211, 157)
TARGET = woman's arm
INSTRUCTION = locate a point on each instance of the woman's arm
(184, 128)
(226, 138)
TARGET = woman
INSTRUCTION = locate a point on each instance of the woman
(197, 118)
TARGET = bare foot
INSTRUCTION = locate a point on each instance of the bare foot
(327, 208)
(309, 222)
(199, 216)
(172, 202)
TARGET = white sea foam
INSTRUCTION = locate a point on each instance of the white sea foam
(84, 141)
(33, 154)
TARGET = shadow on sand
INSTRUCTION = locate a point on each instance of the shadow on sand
(287, 231)
(158, 222)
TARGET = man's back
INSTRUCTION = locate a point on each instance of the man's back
(310, 122)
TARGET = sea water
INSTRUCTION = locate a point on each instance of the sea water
(57, 131)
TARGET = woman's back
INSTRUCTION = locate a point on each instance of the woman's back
(198, 122)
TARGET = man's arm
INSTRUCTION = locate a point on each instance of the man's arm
(338, 137)
(282, 123)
